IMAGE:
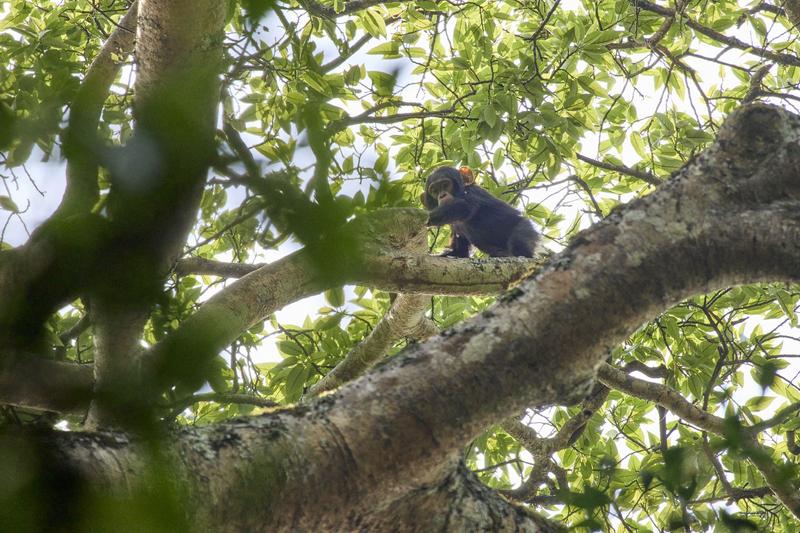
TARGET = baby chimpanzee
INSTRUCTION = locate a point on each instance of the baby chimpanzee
(475, 216)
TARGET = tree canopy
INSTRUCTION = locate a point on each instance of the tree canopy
(216, 280)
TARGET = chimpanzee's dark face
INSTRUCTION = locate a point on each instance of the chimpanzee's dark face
(443, 186)
(441, 190)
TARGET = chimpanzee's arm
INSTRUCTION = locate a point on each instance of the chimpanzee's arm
(459, 247)
(450, 212)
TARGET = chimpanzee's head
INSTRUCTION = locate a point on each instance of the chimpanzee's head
(444, 184)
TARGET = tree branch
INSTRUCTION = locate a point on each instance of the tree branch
(542, 448)
(80, 142)
(733, 42)
(220, 397)
(662, 395)
(315, 8)
(209, 267)
(47, 385)
(622, 169)
(406, 315)
(355, 47)
(179, 60)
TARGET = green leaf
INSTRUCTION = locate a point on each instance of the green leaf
(498, 157)
(638, 144)
(316, 82)
(390, 50)
(8, 204)
(490, 116)
(20, 153)
(335, 297)
(765, 373)
(373, 22)
(759, 403)
(601, 37)
(295, 381)
(383, 82)
(353, 75)
(461, 63)
(289, 348)
(329, 322)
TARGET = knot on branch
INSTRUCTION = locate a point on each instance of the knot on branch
(755, 131)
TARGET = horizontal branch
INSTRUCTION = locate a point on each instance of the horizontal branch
(47, 385)
(221, 397)
(210, 267)
(315, 8)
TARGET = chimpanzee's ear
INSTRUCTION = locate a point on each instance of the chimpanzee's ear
(423, 199)
(467, 176)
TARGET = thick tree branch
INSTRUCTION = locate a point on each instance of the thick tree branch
(792, 8)
(179, 58)
(47, 385)
(80, 144)
(392, 271)
(210, 267)
(54, 265)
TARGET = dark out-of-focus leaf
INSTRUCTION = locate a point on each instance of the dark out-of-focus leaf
(256, 9)
(737, 524)
(335, 297)
(7, 124)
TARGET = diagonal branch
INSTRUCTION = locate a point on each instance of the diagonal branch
(405, 318)
(661, 395)
(80, 143)
(733, 42)
(622, 169)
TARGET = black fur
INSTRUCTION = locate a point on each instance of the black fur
(476, 217)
